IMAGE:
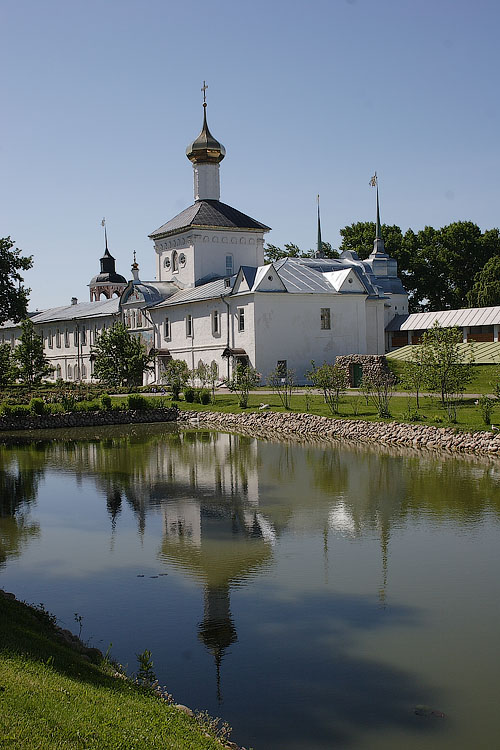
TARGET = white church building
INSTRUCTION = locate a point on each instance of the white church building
(214, 299)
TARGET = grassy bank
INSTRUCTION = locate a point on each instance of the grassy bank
(53, 697)
(354, 406)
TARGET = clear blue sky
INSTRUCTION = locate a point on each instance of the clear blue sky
(100, 100)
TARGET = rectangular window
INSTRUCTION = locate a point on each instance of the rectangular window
(325, 318)
(241, 319)
(215, 323)
(58, 338)
(50, 339)
(166, 329)
(189, 325)
(139, 319)
(75, 337)
(229, 265)
(84, 336)
(66, 337)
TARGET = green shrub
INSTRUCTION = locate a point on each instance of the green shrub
(105, 402)
(189, 394)
(15, 410)
(204, 396)
(135, 402)
(37, 406)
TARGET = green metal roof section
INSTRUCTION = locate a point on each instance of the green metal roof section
(484, 352)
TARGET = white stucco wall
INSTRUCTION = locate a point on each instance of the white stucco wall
(288, 327)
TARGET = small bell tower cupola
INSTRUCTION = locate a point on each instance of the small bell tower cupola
(107, 283)
(205, 153)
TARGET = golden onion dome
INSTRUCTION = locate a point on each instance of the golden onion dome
(205, 149)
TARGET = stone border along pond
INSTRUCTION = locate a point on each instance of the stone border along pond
(355, 430)
(270, 423)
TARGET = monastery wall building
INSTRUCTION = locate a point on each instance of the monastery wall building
(214, 299)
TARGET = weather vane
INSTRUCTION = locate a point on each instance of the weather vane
(204, 89)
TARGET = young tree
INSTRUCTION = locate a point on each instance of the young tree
(6, 365)
(30, 362)
(413, 374)
(448, 366)
(378, 388)
(332, 380)
(176, 375)
(282, 382)
(120, 358)
(213, 378)
(243, 379)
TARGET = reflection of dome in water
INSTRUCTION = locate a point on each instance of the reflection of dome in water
(340, 519)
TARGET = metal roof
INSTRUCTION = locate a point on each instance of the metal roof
(484, 352)
(209, 213)
(299, 278)
(469, 316)
(80, 310)
(196, 294)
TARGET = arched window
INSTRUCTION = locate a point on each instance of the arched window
(58, 372)
(175, 262)
(70, 372)
(76, 373)
(84, 372)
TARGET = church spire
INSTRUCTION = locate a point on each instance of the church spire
(378, 244)
(319, 245)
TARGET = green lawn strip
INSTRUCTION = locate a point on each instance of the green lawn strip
(353, 406)
(51, 697)
(483, 379)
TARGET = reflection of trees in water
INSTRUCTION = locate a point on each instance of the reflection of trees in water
(19, 480)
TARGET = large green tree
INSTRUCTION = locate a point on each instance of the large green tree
(486, 289)
(120, 358)
(13, 295)
(30, 363)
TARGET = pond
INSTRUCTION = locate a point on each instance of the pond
(313, 595)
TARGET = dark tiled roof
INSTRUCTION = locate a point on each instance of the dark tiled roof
(209, 214)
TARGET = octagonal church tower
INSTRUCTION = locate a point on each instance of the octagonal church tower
(209, 239)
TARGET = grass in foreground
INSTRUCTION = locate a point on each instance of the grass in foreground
(52, 698)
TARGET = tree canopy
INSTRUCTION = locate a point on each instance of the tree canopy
(120, 357)
(486, 289)
(273, 252)
(13, 295)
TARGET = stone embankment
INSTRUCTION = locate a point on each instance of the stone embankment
(86, 419)
(356, 430)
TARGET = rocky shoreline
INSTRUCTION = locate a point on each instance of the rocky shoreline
(269, 423)
(415, 436)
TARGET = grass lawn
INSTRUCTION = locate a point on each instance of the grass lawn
(52, 698)
(353, 406)
(483, 380)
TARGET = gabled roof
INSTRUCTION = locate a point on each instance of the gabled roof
(209, 213)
